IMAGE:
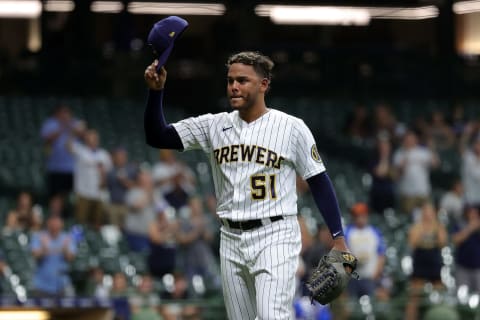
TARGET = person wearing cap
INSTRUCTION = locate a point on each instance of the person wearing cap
(255, 153)
(367, 244)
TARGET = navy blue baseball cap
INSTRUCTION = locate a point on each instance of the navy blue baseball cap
(163, 35)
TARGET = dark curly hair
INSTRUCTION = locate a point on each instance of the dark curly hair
(262, 64)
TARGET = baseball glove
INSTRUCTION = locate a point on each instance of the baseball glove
(330, 277)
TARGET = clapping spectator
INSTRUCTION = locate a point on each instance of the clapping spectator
(426, 238)
(466, 238)
(382, 191)
(54, 250)
(141, 212)
(91, 165)
(413, 163)
(120, 179)
(56, 131)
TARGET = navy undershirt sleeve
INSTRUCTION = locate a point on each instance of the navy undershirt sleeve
(158, 133)
(326, 200)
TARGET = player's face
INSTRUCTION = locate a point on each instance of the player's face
(244, 86)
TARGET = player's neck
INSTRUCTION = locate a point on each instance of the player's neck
(252, 114)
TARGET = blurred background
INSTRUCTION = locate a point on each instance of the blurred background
(94, 220)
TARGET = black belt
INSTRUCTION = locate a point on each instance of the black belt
(249, 224)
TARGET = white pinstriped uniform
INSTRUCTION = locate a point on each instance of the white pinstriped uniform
(254, 167)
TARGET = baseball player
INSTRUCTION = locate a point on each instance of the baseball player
(255, 153)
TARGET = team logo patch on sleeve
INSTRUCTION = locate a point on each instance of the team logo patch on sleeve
(315, 154)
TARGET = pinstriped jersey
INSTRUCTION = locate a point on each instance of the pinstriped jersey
(254, 164)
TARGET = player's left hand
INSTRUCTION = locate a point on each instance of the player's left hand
(340, 244)
(330, 277)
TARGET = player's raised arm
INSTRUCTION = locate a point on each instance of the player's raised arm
(158, 133)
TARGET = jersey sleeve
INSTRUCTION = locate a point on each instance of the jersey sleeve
(305, 153)
(194, 132)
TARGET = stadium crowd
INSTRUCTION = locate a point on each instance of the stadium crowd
(157, 210)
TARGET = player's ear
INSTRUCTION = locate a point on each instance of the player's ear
(264, 84)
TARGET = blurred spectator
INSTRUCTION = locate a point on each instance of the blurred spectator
(466, 238)
(439, 132)
(367, 244)
(119, 293)
(193, 237)
(3, 266)
(421, 127)
(458, 120)
(413, 163)
(144, 302)
(426, 238)
(141, 212)
(56, 206)
(91, 165)
(96, 285)
(321, 245)
(120, 286)
(213, 223)
(471, 166)
(452, 202)
(306, 234)
(56, 130)
(303, 190)
(173, 310)
(120, 179)
(25, 216)
(177, 196)
(168, 169)
(162, 257)
(384, 121)
(358, 124)
(382, 191)
(53, 249)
